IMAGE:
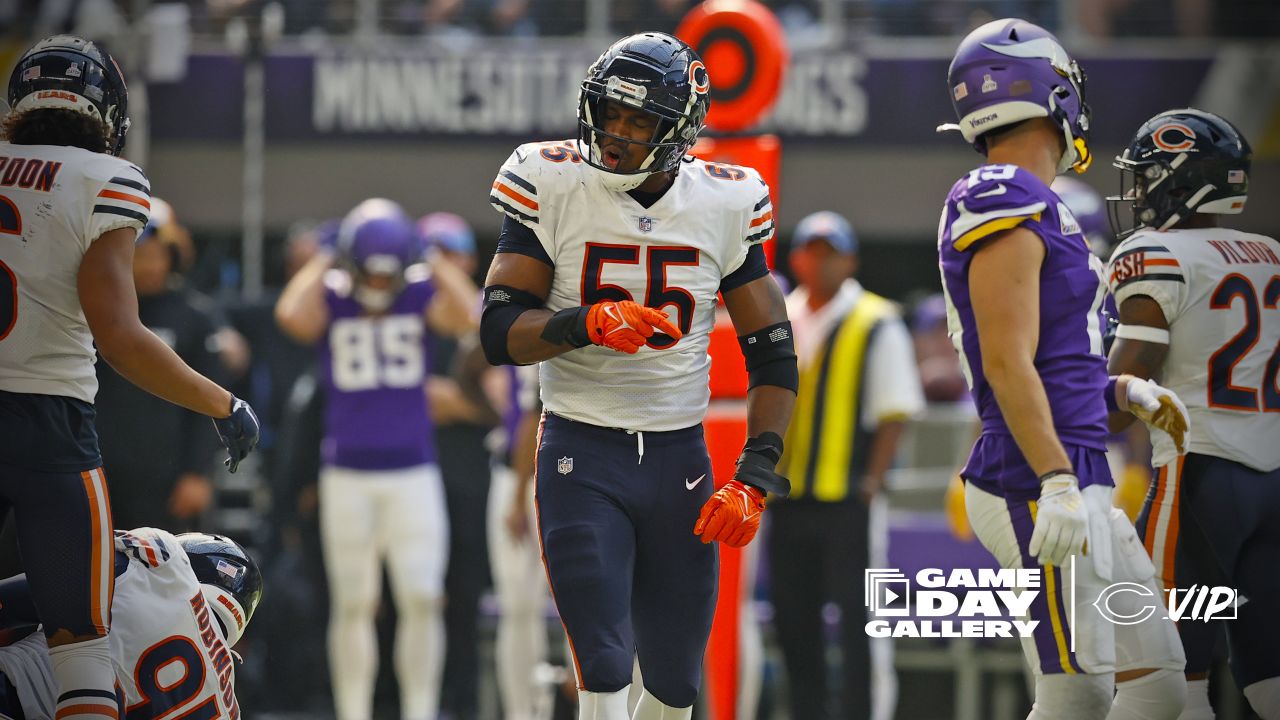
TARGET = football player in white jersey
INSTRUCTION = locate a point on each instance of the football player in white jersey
(180, 605)
(613, 249)
(1200, 308)
(70, 211)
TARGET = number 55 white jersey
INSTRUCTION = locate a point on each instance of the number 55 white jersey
(604, 245)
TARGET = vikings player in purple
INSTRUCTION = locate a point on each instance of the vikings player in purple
(381, 495)
(1024, 295)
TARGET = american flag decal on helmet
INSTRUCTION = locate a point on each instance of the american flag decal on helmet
(231, 571)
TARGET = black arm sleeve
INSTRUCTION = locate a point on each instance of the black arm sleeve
(516, 238)
(753, 268)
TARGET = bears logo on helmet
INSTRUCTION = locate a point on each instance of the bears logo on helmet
(1179, 163)
(65, 72)
(229, 579)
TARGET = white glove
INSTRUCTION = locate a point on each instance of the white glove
(1159, 408)
(1062, 522)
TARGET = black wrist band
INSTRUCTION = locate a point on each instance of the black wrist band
(567, 327)
(1054, 473)
(767, 444)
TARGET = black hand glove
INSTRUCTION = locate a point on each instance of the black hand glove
(238, 432)
(757, 462)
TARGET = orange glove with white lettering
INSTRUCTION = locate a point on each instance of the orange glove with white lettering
(732, 515)
(625, 325)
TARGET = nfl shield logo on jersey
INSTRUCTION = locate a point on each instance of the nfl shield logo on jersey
(564, 465)
(646, 224)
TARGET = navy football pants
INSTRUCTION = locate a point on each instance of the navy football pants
(1211, 521)
(51, 476)
(628, 575)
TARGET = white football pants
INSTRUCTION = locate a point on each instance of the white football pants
(398, 516)
(521, 586)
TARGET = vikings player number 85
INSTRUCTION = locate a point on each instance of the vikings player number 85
(368, 353)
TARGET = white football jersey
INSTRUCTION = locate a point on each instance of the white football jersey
(1220, 293)
(606, 246)
(170, 657)
(173, 656)
(54, 202)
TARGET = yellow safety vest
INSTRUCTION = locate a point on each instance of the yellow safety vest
(826, 444)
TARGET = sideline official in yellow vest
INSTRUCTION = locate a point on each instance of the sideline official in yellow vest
(858, 385)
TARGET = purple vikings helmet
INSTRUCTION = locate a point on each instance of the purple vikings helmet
(1008, 71)
(1090, 210)
(377, 239)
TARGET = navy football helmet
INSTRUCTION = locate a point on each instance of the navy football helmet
(229, 579)
(377, 238)
(1182, 162)
(656, 73)
(65, 72)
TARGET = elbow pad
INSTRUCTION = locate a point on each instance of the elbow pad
(502, 305)
(771, 357)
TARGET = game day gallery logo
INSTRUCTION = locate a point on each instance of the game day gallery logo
(989, 603)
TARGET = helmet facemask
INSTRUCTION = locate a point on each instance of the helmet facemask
(378, 299)
(669, 142)
(652, 73)
(1076, 155)
(1182, 162)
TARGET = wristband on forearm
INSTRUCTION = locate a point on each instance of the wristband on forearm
(767, 445)
(1054, 473)
(568, 327)
(1109, 395)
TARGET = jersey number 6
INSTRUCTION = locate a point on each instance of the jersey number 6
(10, 224)
(657, 294)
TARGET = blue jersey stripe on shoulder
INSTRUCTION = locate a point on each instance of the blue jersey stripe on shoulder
(1144, 248)
(764, 202)
(510, 210)
(764, 233)
(131, 184)
(1154, 276)
(520, 181)
(113, 210)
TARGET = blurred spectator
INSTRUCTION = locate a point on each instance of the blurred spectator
(463, 422)
(514, 551)
(1090, 210)
(649, 15)
(450, 235)
(161, 454)
(940, 373)
(858, 388)
(275, 361)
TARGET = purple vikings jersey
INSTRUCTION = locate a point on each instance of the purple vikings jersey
(373, 369)
(1069, 358)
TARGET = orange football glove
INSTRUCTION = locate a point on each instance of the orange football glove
(731, 515)
(625, 325)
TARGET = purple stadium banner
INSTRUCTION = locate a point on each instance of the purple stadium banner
(840, 96)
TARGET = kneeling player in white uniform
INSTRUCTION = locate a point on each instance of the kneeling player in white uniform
(181, 603)
(1198, 308)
